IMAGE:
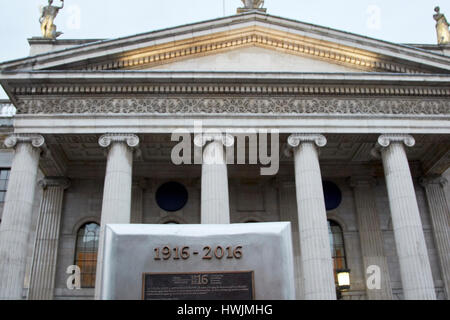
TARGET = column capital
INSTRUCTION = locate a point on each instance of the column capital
(200, 140)
(36, 140)
(386, 139)
(434, 179)
(60, 182)
(106, 140)
(362, 182)
(295, 139)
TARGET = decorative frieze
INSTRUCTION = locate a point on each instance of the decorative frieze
(220, 105)
(214, 88)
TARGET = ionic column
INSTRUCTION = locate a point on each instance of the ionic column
(370, 235)
(288, 212)
(15, 228)
(440, 220)
(315, 248)
(116, 206)
(215, 206)
(415, 270)
(42, 282)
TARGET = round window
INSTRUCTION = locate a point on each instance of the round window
(171, 196)
(332, 194)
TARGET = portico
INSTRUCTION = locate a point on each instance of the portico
(373, 135)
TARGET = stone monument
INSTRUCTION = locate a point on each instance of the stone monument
(251, 261)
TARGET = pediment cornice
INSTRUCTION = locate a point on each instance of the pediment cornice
(254, 29)
(258, 36)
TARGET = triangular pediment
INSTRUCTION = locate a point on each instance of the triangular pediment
(227, 44)
(252, 59)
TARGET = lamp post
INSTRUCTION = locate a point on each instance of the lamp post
(343, 279)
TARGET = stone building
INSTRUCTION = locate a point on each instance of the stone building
(362, 125)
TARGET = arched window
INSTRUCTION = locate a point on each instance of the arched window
(337, 246)
(86, 253)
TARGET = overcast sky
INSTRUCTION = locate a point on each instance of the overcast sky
(400, 21)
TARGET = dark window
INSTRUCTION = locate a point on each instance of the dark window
(332, 195)
(337, 246)
(4, 177)
(86, 253)
(171, 196)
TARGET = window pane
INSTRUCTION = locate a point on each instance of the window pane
(86, 253)
(337, 246)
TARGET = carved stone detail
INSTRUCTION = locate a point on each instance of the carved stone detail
(294, 140)
(131, 140)
(201, 140)
(220, 105)
(386, 139)
(434, 179)
(36, 140)
(61, 182)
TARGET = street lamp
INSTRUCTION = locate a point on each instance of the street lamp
(343, 279)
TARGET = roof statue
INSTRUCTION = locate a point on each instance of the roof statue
(48, 15)
(443, 32)
(252, 5)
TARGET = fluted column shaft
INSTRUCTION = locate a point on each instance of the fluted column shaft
(42, 282)
(415, 270)
(116, 206)
(15, 228)
(370, 235)
(315, 248)
(440, 220)
(288, 212)
(215, 206)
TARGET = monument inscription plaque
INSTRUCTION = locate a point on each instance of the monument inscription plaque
(198, 262)
(238, 285)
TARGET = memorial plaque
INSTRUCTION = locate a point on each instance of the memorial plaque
(229, 262)
(238, 285)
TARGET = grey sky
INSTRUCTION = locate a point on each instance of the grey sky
(400, 21)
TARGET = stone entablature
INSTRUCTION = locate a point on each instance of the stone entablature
(215, 88)
(235, 106)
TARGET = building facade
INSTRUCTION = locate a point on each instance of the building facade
(361, 128)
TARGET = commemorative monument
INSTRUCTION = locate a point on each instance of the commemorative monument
(198, 262)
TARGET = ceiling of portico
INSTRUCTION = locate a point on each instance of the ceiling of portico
(433, 151)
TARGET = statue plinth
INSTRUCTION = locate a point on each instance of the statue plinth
(245, 10)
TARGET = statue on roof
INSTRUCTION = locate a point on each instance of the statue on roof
(48, 15)
(442, 27)
(250, 5)
(253, 4)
